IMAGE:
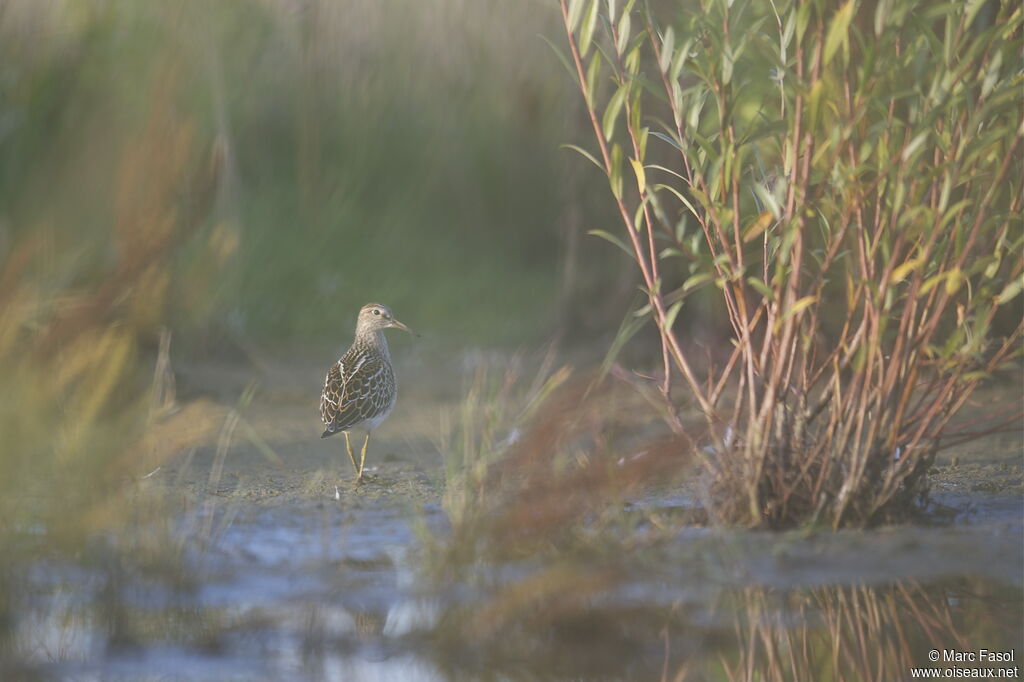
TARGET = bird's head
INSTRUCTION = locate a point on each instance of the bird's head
(377, 316)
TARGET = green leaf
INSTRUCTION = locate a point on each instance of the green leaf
(679, 195)
(901, 271)
(672, 313)
(991, 74)
(638, 214)
(615, 176)
(954, 211)
(641, 177)
(762, 223)
(930, 283)
(798, 306)
(761, 288)
(635, 108)
(668, 44)
(693, 117)
(677, 102)
(727, 65)
(623, 39)
(561, 57)
(803, 17)
(697, 280)
(787, 35)
(915, 144)
(593, 73)
(1010, 291)
(679, 59)
(611, 238)
(882, 10)
(633, 58)
(668, 139)
(971, 10)
(574, 14)
(587, 155)
(838, 31)
(587, 30)
(655, 166)
(612, 112)
(768, 199)
(954, 278)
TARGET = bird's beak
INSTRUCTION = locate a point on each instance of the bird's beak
(399, 325)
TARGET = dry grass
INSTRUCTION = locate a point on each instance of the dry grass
(535, 464)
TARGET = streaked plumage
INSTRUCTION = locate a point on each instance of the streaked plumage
(360, 388)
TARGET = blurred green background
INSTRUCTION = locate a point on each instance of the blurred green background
(364, 150)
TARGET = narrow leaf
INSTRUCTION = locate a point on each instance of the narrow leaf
(696, 280)
(901, 271)
(615, 174)
(1010, 291)
(575, 12)
(838, 31)
(620, 44)
(611, 238)
(587, 155)
(954, 279)
(670, 315)
(914, 145)
(804, 302)
(561, 58)
(682, 198)
(593, 73)
(668, 139)
(759, 226)
(641, 177)
(679, 59)
(587, 30)
(761, 288)
(668, 44)
(612, 112)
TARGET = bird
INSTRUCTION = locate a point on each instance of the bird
(360, 389)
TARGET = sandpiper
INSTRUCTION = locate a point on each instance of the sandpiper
(360, 389)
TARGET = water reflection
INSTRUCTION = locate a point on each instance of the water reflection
(321, 593)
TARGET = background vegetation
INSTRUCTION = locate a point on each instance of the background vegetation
(372, 150)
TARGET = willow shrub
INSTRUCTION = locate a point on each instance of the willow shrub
(843, 179)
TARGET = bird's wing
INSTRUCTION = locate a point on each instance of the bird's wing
(350, 391)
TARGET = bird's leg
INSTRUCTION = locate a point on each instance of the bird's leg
(348, 448)
(362, 457)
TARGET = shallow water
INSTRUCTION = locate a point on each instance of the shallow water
(330, 591)
(251, 567)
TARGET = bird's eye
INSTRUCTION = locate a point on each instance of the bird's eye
(376, 311)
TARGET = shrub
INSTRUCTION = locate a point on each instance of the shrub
(843, 182)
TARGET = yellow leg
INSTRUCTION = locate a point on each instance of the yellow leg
(348, 448)
(362, 457)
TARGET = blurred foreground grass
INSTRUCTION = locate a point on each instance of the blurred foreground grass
(372, 151)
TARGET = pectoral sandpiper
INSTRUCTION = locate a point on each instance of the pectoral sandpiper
(360, 390)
